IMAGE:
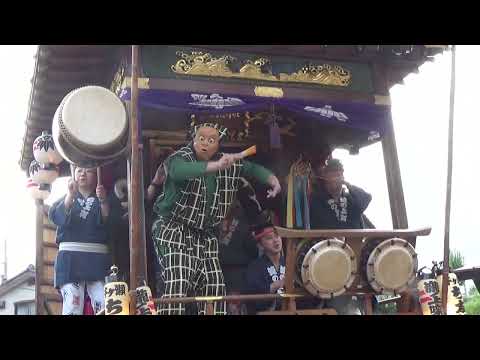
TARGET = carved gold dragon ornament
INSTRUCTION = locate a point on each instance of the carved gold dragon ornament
(204, 64)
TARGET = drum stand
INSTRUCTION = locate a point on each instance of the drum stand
(368, 304)
(357, 239)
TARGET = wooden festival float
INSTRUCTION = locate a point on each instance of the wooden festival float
(291, 101)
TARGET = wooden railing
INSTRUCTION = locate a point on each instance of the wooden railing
(355, 238)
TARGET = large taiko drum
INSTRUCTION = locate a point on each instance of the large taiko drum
(328, 268)
(391, 265)
(90, 127)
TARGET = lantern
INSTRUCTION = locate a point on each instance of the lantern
(145, 305)
(44, 150)
(38, 192)
(43, 173)
(117, 300)
(455, 304)
(429, 293)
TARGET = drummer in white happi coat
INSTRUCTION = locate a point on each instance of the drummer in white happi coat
(83, 218)
(336, 204)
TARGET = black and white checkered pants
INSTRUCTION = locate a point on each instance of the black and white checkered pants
(192, 271)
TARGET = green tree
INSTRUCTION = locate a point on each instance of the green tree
(456, 260)
(473, 291)
(472, 305)
(477, 284)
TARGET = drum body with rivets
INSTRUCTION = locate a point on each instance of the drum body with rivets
(90, 127)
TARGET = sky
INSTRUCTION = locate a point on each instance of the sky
(420, 109)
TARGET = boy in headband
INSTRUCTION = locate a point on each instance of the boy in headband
(199, 185)
(266, 274)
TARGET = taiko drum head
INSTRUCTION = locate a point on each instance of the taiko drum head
(90, 127)
(329, 268)
(392, 266)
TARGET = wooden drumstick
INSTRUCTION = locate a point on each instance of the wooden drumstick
(99, 176)
(72, 170)
(252, 150)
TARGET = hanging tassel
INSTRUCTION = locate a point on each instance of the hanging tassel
(275, 137)
(290, 199)
(309, 187)
(298, 201)
(305, 203)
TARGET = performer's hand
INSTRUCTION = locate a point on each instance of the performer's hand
(277, 285)
(226, 161)
(276, 188)
(237, 156)
(72, 187)
(101, 193)
(159, 177)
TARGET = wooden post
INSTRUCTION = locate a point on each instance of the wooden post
(368, 304)
(446, 240)
(133, 302)
(138, 264)
(290, 274)
(39, 268)
(405, 302)
(390, 156)
(5, 262)
(394, 179)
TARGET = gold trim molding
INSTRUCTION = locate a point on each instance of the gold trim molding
(143, 83)
(267, 91)
(198, 63)
(382, 100)
(437, 46)
(121, 80)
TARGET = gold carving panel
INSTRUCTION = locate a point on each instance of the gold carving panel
(198, 63)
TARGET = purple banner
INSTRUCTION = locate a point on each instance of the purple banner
(353, 115)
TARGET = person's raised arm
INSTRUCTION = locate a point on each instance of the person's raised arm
(72, 189)
(104, 203)
(59, 212)
(180, 170)
(263, 175)
(156, 183)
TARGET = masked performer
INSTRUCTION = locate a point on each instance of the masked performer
(199, 186)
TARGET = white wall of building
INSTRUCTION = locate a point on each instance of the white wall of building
(24, 292)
